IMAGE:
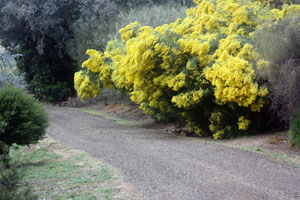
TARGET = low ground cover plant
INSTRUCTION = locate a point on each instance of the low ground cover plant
(200, 68)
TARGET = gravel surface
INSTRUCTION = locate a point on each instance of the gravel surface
(163, 166)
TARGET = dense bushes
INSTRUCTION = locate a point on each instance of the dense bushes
(278, 44)
(22, 120)
(295, 129)
(200, 68)
(48, 78)
(100, 21)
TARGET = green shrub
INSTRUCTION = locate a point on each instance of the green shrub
(295, 129)
(49, 76)
(49, 90)
(11, 183)
(23, 120)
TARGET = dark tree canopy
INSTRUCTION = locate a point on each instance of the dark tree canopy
(39, 30)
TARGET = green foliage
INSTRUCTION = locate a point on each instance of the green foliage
(165, 116)
(23, 119)
(93, 28)
(278, 44)
(155, 15)
(295, 129)
(40, 79)
(40, 30)
(113, 96)
(8, 72)
(11, 181)
(48, 78)
(142, 3)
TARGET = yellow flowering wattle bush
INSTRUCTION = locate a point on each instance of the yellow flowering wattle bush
(85, 87)
(200, 68)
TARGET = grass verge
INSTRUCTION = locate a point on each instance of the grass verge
(265, 152)
(56, 172)
(107, 116)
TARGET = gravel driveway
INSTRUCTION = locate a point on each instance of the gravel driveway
(163, 166)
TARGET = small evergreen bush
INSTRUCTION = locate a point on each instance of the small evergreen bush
(22, 119)
(295, 129)
(11, 183)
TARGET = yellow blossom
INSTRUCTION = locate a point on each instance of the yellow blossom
(243, 123)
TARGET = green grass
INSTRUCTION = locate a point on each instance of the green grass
(57, 173)
(107, 116)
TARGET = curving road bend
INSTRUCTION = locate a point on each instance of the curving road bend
(162, 166)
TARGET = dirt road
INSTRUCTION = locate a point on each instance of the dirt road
(162, 166)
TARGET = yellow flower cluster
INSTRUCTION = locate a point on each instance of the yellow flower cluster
(201, 65)
(97, 68)
(128, 31)
(196, 128)
(186, 100)
(94, 62)
(85, 87)
(215, 126)
(243, 123)
(234, 82)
